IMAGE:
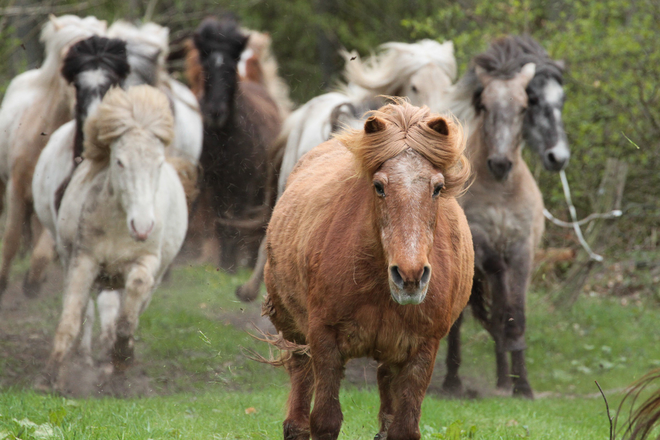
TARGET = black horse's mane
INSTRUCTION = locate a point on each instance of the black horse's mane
(95, 53)
(222, 34)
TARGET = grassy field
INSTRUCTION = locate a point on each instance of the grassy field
(193, 381)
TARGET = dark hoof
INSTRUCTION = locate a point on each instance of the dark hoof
(245, 294)
(3, 286)
(293, 431)
(453, 387)
(523, 390)
(30, 288)
(122, 353)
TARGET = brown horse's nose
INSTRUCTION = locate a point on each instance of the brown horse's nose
(410, 277)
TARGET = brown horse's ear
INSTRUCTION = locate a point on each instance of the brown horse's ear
(374, 124)
(439, 125)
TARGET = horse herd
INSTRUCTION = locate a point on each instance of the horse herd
(391, 203)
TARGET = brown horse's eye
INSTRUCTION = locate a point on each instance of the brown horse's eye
(379, 189)
(437, 189)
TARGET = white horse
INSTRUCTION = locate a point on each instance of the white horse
(36, 103)
(148, 48)
(122, 219)
(422, 72)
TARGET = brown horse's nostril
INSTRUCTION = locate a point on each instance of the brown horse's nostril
(426, 276)
(396, 277)
(410, 278)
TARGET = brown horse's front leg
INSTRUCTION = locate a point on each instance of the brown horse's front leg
(385, 375)
(326, 417)
(408, 388)
(296, 425)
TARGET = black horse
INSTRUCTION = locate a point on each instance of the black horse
(241, 121)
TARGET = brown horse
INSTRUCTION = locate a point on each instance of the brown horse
(504, 208)
(369, 254)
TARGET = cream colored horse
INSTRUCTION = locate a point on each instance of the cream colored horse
(37, 102)
(122, 220)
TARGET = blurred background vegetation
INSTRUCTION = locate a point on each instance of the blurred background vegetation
(610, 48)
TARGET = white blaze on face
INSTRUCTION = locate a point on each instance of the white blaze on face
(93, 79)
(217, 59)
(554, 95)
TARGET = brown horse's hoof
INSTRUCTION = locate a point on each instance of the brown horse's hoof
(30, 288)
(246, 294)
(292, 431)
(122, 353)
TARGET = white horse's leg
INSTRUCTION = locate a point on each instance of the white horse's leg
(85, 347)
(108, 303)
(42, 254)
(11, 240)
(139, 284)
(79, 280)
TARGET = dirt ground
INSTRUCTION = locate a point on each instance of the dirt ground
(26, 327)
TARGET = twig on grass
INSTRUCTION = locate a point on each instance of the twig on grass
(607, 407)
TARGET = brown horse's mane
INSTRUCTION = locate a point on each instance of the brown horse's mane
(439, 139)
(194, 73)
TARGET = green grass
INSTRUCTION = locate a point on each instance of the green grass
(222, 415)
(191, 344)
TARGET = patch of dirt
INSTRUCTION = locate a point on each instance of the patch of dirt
(26, 332)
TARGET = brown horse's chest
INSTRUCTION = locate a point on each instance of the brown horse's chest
(384, 334)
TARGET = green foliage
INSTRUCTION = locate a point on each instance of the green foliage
(613, 101)
(610, 48)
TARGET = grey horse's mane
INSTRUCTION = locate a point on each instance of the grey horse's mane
(503, 59)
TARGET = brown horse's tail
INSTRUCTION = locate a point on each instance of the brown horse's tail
(188, 175)
(285, 347)
(644, 418)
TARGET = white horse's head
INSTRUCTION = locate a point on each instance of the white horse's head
(423, 71)
(128, 134)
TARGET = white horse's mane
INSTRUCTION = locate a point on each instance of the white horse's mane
(140, 109)
(148, 47)
(384, 73)
(59, 33)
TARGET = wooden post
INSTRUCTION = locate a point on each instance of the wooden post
(608, 198)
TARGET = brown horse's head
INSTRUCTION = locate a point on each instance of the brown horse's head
(502, 103)
(414, 161)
